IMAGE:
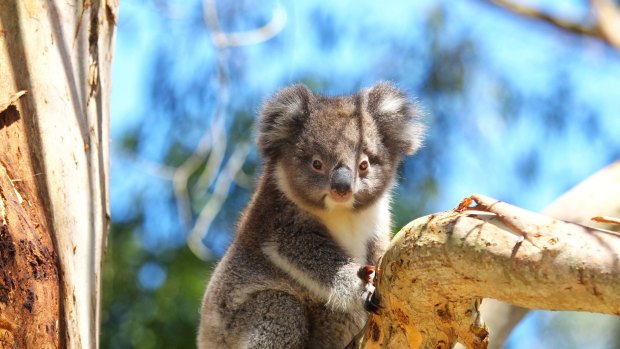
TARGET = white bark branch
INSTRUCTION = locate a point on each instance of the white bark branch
(439, 267)
(604, 27)
(597, 195)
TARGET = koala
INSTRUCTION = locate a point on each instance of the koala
(320, 214)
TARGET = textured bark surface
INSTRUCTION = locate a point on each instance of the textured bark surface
(596, 196)
(29, 292)
(54, 89)
(439, 267)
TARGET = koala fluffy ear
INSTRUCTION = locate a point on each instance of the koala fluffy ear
(282, 117)
(398, 120)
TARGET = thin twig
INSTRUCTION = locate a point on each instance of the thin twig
(214, 205)
(244, 38)
(606, 16)
(216, 173)
(183, 172)
(606, 219)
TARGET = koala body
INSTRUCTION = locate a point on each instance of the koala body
(319, 214)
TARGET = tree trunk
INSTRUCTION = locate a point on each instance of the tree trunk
(55, 61)
(438, 269)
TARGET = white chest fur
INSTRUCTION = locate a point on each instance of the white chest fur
(353, 230)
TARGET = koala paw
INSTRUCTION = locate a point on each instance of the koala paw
(371, 301)
(367, 274)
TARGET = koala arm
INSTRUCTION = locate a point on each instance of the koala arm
(316, 262)
(376, 248)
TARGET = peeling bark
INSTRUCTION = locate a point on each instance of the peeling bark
(29, 295)
(55, 61)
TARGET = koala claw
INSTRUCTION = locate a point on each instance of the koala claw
(371, 301)
(367, 274)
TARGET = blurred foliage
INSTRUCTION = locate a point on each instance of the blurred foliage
(491, 129)
(151, 299)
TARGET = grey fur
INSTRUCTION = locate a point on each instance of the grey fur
(289, 279)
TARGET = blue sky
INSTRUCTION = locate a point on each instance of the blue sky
(531, 56)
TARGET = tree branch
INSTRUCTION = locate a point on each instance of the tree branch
(439, 267)
(607, 14)
(606, 20)
(600, 191)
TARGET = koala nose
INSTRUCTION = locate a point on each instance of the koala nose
(342, 179)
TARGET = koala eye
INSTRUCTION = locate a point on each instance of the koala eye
(364, 166)
(317, 165)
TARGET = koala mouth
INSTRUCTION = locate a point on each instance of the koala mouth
(340, 199)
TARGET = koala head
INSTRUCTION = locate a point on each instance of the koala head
(328, 152)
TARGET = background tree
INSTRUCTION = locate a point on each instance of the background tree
(515, 110)
(55, 62)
